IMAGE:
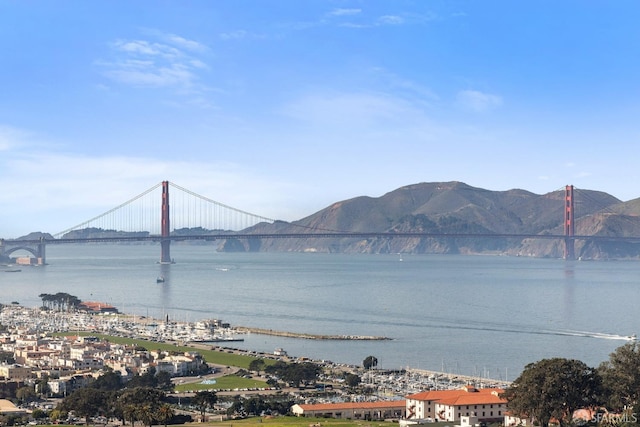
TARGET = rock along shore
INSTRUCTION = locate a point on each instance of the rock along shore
(246, 329)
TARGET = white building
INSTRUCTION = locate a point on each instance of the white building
(450, 405)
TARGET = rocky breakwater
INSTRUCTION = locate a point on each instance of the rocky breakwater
(246, 329)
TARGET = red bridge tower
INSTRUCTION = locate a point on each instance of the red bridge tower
(569, 225)
(165, 230)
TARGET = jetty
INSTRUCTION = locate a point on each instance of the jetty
(262, 331)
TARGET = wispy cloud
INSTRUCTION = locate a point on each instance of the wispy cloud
(243, 35)
(345, 12)
(583, 174)
(234, 35)
(190, 45)
(361, 116)
(17, 140)
(9, 137)
(390, 20)
(408, 88)
(358, 19)
(100, 183)
(478, 101)
(168, 61)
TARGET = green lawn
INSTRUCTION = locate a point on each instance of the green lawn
(227, 382)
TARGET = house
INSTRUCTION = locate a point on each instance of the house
(96, 307)
(393, 409)
(511, 420)
(450, 405)
(15, 372)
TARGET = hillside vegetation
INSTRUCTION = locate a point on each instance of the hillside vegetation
(457, 208)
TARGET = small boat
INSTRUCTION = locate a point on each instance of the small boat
(160, 279)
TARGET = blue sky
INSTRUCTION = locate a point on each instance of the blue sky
(281, 108)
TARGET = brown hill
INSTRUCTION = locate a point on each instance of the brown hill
(457, 208)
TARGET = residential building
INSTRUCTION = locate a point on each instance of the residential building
(393, 409)
(15, 372)
(449, 405)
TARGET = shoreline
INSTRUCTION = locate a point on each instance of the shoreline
(287, 334)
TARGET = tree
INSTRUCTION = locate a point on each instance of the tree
(295, 373)
(38, 414)
(163, 381)
(85, 402)
(42, 386)
(131, 400)
(255, 406)
(552, 389)
(25, 394)
(109, 381)
(370, 362)
(130, 412)
(621, 377)
(57, 414)
(298, 373)
(352, 380)
(165, 413)
(61, 301)
(256, 365)
(7, 357)
(148, 379)
(204, 400)
(145, 414)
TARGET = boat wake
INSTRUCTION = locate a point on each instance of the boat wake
(432, 323)
(560, 332)
(599, 335)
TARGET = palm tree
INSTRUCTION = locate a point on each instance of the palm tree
(145, 414)
(204, 400)
(130, 411)
(166, 412)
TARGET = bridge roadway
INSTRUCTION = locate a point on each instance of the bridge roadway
(321, 235)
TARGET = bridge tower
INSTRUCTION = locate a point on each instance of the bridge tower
(165, 229)
(42, 252)
(569, 225)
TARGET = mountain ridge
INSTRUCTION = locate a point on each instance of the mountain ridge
(455, 207)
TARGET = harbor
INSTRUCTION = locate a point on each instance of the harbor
(216, 334)
(37, 320)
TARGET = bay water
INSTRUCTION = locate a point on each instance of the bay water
(485, 316)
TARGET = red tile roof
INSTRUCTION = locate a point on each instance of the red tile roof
(354, 405)
(464, 396)
(96, 306)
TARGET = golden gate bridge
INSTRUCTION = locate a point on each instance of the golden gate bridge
(189, 216)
